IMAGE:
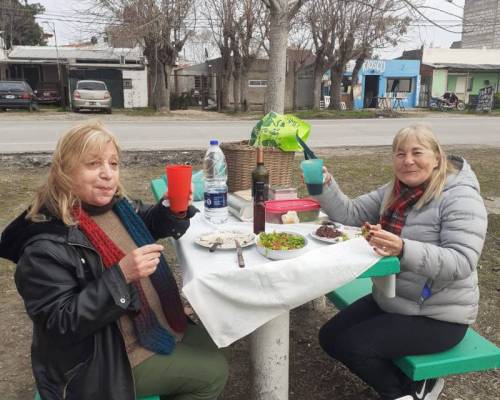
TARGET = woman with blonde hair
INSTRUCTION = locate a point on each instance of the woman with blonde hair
(108, 321)
(431, 216)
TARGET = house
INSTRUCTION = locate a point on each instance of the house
(463, 71)
(206, 77)
(123, 70)
(377, 79)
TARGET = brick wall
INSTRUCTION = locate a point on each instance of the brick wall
(481, 27)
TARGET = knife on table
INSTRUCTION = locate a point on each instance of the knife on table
(239, 252)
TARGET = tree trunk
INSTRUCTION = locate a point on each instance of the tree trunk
(355, 74)
(278, 38)
(244, 89)
(237, 82)
(336, 76)
(295, 85)
(317, 77)
(226, 72)
(168, 84)
(159, 88)
(237, 92)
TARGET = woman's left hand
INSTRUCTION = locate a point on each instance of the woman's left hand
(384, 243)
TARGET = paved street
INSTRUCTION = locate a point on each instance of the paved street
(27, 135)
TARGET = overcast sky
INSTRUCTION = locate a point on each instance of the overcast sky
(72, 24)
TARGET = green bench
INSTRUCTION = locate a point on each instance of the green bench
(158, 187)
(473, 353)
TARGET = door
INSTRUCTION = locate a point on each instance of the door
(461, 87)
(371, 91)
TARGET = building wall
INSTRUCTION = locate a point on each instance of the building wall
(439, 82)
(49, 73)
(138, 95)
(478, 81)
(481, 24)
(461, 56)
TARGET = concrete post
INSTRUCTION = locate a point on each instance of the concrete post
(269, 347)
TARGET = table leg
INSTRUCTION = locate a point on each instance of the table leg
(269, 347)
(386, 284)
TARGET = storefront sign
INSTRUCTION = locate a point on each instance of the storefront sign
(485, 99)
(371, 67)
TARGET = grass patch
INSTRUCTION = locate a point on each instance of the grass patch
(335, 114)
(136, 112)
(358, 171)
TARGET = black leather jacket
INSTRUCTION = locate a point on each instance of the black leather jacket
(77, 352)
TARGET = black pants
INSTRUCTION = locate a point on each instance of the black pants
(366, 340)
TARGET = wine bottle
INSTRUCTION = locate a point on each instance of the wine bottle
(260, 190)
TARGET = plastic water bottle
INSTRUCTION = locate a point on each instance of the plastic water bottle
(215, 170)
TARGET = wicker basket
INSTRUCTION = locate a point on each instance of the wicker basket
(241, 159)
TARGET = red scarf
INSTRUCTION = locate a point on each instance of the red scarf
(394, 216)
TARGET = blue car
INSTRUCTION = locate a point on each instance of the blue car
(17, 94)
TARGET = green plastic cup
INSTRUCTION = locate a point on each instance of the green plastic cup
(313, 175)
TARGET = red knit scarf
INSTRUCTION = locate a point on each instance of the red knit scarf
(394, 216)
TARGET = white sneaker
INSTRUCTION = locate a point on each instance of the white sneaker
(429, 389)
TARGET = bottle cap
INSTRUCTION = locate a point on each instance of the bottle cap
(214, 141)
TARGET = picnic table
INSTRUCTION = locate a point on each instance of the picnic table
(233, 302)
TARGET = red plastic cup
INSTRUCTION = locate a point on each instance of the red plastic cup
(179, 186)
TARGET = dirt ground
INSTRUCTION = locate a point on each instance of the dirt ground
(313, 376)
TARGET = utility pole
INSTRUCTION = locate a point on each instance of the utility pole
(61, 86)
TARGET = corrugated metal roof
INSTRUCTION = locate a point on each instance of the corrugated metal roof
(485, 67)
(51, 53)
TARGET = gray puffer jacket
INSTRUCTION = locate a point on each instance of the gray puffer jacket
(442, 244)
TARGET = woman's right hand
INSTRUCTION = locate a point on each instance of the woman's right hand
(140, 262)
(327, 177)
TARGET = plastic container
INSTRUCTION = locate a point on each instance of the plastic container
(291, 211)
(215, 185)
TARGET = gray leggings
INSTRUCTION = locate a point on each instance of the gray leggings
(196, 370)
(366, 340)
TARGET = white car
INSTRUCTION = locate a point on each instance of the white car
(91, 95)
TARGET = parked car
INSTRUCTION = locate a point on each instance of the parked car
(17, 94)
(91, 95)
(48, 93)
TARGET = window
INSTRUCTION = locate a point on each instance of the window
(257, 83)
(127, 83)
(398, 85)
(197, 82)
(346, 84)
(91, 85)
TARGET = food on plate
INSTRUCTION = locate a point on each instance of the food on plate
(225, 239)
(330, 232)
(365, 230)
(281, 241)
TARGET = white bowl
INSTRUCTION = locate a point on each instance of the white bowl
(282, 254)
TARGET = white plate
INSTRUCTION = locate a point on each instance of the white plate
(227, 237)
(282, 254)
(351, 232)
(326, 239)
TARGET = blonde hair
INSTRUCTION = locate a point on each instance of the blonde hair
(56, 195)
(424, 136)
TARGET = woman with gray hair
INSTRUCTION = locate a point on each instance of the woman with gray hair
(108, 321)
(431, 215)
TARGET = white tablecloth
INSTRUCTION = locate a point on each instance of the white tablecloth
(232, 302)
